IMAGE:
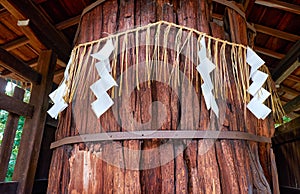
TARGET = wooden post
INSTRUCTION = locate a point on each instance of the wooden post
(33, 128)
(9, 136)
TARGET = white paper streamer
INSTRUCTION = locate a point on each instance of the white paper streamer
(253, 60)
(57, 96)
(102, 104)
(105, 52)
(205, 68)
(106, 81)
(258, 80)
(256, 104)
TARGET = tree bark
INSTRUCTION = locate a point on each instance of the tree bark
(135, 166)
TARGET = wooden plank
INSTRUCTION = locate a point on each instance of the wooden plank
(61, 63)
(276, 33)
(287, 65)
(9, 136)
(4, 13)
(287, 132)
(3, 84)
(268, 52)
(15, 43)
(59, 72)
(286, 137)
(68, 23)
(17, 66)
(217, 16)
(294, 78)
(26, 30)
(288, 127)
(33, 128)
(42, 28)
(280, 5)
(15, 106)
(8, 187)
(292, 105)
(33, 63)
(289, 90)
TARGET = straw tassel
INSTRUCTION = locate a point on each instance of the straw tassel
(156, 65)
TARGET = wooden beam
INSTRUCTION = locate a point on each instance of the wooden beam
(61, 63)
(68, 23)
(276, 33)
(33, 129)
(8, 187)
(294, 78)
(33, 63)
(17, 66)
(288, 64)
(14, 105)
(289, 90)
(217, 16)
(11, 127)
(293, 8)
(285, 74)
(59, 72)
(25, 29)
(15, 43)
(268, 52)
(292, 105)
(42, 28)
(291, 128)
(18, 107)
(4, 13)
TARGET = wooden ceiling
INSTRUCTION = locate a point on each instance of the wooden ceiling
(52, 25)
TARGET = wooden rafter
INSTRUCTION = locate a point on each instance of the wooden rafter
(285, 74)
(280, 5)
(17, 66)
(68, 23)
(292, 105)
(294, 78)
(276, 33)
(39, 24)
(15, 43)
(287, 132)
(4, 13)
(288, 64)
(290, 90)
(268, 52)
(25, 29)
(59, 72)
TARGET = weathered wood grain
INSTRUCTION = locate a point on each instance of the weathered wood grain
(162, 166)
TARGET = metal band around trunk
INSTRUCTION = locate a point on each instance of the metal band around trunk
(179, 134)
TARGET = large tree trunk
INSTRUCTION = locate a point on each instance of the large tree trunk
(135, 166)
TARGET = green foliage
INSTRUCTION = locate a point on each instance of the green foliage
(285, 119)
(13, 157)
(15, 150)
(3, 117)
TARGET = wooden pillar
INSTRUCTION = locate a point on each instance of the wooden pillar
(197, 166)
(33, 128)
